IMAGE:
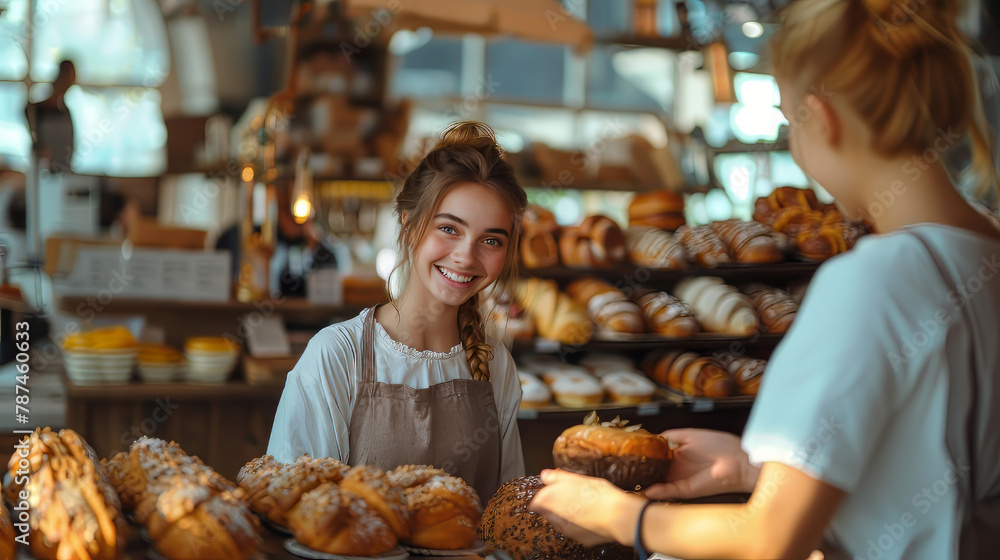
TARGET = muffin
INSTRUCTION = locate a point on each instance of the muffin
(629, 457)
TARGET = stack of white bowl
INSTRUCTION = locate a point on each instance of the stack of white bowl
(210, 359)
(159, 363)
(105, 355)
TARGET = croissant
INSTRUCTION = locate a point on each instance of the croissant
(273, 488)
(378, 491)
(74, 511)
(606, 305)
(556, 315)
(703, 245)
(751, 242)
(334, 520)
(746, 372)
(775, 307)
(719, 308)
(667, 315)
(539, 249)
(444, 510)
(695, 375)
(655, 248)
(189, 510)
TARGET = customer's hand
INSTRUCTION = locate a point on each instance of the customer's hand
(706, 463)
(585, 509)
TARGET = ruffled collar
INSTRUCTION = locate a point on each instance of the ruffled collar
(413, 353)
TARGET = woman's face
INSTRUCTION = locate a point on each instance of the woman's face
(465, 246)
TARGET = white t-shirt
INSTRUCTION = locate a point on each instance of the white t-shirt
(857, 394)
(315, 410)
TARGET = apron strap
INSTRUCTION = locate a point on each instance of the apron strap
(368, 349)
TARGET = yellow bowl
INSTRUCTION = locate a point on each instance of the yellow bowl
(211, 344)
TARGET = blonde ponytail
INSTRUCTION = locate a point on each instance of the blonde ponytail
(905, 69)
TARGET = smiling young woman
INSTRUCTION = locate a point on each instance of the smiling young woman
(418, 381)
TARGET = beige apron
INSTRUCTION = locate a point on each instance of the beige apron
(451, 425)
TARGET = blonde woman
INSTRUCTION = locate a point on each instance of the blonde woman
(876, 423)
(417, 381)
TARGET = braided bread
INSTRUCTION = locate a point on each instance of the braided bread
(751, 242)
(655, 248)
(719, 307)
(74, 511)
(274, 488)
(667, 315)
(607, 306)
(775, 307)
(188, 509)
(703, 245)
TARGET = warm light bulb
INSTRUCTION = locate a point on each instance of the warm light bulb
(247, 174)
(302, 209)
(753, 29)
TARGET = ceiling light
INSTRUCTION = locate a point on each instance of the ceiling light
(753, 29)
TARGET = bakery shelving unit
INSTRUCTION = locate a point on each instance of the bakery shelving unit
(668, 409)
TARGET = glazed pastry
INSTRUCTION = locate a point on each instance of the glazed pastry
(273, 488)
(573, 389)
(189, 510)
(751, 242)
(556, 315)
(655, 248)
(704, 246)
(74, 511)
(509, 526)
(719, 307)
(378, 491)
(746, 372)
(334, 520)
(628, 457)
(819, 230)
(444, 511)
(667, 315)
(534, 393)
(775, 307)
(607, 306)
(625, 387)
(659, 209)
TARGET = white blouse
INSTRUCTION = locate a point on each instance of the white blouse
(315, 410)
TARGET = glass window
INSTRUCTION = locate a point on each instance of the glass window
(15, 143)
(506, 64)
(117, 131)
(609, 18)
(427, 66)
(620, 78)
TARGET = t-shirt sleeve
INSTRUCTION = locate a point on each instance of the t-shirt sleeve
(314, 413)
(508, 398)
(832, 384)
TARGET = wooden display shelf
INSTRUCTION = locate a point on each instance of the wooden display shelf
(140, 391)
(669, 43)
(645, 276)
(138, 305)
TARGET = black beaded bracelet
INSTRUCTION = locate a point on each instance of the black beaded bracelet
(639, 549)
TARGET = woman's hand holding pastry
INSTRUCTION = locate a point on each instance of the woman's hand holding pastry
(706, 463)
